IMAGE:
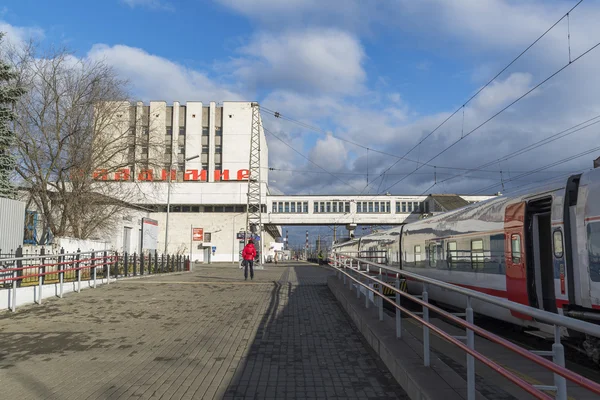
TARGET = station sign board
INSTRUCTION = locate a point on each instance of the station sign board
(198, 234)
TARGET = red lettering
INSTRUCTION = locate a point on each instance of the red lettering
(146, 175)
(195, 175)
(221, 175)
(101, 174)
(243, 174)
(165, 177)
(122, 174)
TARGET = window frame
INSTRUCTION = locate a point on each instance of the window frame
(474, 262)
(562, 244)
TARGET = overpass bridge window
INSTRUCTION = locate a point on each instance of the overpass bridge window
(290, 207)
(372, 207)
(330, 207)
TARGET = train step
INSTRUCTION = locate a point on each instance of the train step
(541, 334)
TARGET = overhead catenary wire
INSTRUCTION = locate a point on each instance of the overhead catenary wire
(480, 90)
(562, 134)
(564, 160)
(462, 107)
(308, 159)
(502, 110)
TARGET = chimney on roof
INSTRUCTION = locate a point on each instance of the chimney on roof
(597, 162)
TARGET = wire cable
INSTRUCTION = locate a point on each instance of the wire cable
(564, 160)
(308, 159)
(502, 110)
(562, 134)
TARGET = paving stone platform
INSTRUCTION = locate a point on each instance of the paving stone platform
(207, 334)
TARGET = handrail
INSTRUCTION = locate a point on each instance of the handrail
(562, 321)
(485, 360)
(553, 319)
(52, 255)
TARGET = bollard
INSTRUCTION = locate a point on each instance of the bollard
(425, 329)
(470, 359)
(559, 359)
(125, 263)
(168, 261)
(398, 312)
(142, 263)
(135, 264)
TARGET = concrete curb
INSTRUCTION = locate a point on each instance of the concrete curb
(403, 357)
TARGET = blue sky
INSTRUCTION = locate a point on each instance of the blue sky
(381, 73)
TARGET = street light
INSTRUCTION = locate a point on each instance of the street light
(169, 200)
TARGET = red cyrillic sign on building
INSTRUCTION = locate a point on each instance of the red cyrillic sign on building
(149, 175)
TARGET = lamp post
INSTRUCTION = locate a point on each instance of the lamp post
(169, 201)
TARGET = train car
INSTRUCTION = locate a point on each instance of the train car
(540, 248)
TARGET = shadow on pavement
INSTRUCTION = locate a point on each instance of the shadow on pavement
(306, 347)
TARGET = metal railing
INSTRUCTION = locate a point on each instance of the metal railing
(23, 271)
(351, 266)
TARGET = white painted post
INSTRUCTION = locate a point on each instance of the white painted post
(398, 312)
(13, 305)
(93, 264)
(470, 359)
(559, 359)
(380, 296)
(40, 270)
(425, 329)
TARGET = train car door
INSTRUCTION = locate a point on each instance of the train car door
(515, 256)
(540, 263)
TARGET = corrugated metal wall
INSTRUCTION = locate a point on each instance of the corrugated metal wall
(12, 224)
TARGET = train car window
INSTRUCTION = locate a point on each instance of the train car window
(432, 251)
(452, 253)
(593, 240)
(477, 254)
(515, 248)
(558, 243)
(417, 253)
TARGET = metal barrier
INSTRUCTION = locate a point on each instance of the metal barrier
(64, 267)
(349, 265)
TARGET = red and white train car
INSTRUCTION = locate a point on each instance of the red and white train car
(540, 248)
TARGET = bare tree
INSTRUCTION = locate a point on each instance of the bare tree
(74, 128)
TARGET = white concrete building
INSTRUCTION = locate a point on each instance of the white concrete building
(209, 147)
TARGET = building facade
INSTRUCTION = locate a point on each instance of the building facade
(194, 157)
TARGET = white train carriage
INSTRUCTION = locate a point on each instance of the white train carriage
(540, 248)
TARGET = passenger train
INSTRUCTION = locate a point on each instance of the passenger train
(540, 248)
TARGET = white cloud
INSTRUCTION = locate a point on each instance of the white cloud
(314, 60)
(17, 35)
(154, 77)
(501, 92)
(151, 4)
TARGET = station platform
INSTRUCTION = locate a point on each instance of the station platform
(205, 334)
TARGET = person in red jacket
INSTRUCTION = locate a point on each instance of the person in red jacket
(249, 254)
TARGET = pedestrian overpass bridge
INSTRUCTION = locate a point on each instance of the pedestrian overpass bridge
(358, 209)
